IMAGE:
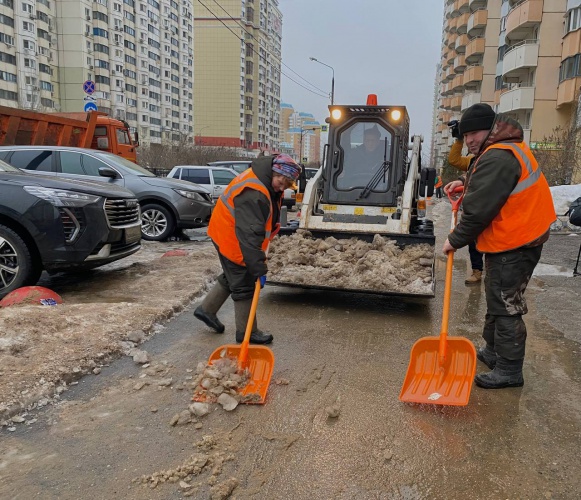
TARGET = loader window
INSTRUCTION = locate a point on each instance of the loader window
(366, 158)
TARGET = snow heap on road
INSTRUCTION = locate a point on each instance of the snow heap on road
(564, 195)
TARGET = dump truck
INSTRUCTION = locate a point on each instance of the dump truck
(92, 130)
(363, 224)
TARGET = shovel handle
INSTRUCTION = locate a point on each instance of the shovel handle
(243, 356)
(443, 347)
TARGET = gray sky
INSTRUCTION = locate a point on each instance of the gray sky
(384, 47)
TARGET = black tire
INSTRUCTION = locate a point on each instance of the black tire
(17, 267)
(157, 222)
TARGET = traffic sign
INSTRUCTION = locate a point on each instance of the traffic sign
(305, 159)
(89, 87)
(89, 98)
(90, 106)
(324, 128)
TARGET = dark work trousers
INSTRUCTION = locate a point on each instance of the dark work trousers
(236, 278)
(476, 261)
(507, 277)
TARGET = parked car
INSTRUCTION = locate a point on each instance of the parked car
(214, 179)
(310, 172)
(289, 199)
(60, 225)
(166, 204)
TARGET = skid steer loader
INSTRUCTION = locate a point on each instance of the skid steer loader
(363, 224)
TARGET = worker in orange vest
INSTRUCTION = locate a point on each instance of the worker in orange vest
(508, 209)
(244, 221)
(438, 186)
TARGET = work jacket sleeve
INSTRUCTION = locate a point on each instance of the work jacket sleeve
(251, 212)
(488, 185)
(455, 157)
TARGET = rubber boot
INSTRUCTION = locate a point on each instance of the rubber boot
(487, 355)
(475, 278)
(211, 304)
(506, 373)
(241, 313)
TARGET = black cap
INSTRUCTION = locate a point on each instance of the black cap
(477, 117)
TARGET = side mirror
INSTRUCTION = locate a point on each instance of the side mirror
(103, 143)
(108, 172)
(427, 178)
(136, 140)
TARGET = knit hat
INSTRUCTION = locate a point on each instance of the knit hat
(372, 131)
(285, 165)
(477, 117)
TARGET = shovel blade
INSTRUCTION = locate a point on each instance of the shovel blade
(427, 381)
(260, 364)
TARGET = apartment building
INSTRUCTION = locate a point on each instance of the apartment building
(516, 55)
(139, 53)
(237, 74)
(301, 134)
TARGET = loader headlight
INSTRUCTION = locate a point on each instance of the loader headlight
(336, 114)
(395, 115)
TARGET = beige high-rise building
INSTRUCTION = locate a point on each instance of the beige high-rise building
(301, 134)
(507, 53)
(237, 74)
(138, 53)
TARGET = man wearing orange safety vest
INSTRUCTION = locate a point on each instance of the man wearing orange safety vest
(508, 210)
(244, 220)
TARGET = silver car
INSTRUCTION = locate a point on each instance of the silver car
(166, 204)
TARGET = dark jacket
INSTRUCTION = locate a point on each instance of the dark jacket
(251, 213)
(489, 181)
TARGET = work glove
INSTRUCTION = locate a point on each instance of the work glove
(455, 129)
(262, 280)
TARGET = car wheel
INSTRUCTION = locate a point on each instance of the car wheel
(157, 223)
(16, 265)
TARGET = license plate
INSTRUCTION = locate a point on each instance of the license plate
(132, 234)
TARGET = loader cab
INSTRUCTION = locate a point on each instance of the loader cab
(366, 155)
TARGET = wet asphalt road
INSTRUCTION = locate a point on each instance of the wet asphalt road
(332, 348)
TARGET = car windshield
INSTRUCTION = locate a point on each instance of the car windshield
(4, 167)
(127, 165)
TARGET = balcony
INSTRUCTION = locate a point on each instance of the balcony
(455, 12)
(523, 18)
(477, 22)
(456, 103)
(473, 76)
(452, 25)
(470, 99)
(567, 91)
(457, 84)
(475, 50)
(459, 64)
(571, 44)
(519, 58)
(515, 99)
(461, 43)
(446, 102)
(462, 23)
(451, 57)
(477, 4)
(463, 6)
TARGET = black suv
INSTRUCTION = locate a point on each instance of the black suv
(59, 225)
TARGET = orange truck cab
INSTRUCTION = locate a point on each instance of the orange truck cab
(92, 130)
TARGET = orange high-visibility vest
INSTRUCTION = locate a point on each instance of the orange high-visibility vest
(528, 211)
(221, 228)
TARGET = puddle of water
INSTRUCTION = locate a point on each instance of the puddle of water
(551, 270)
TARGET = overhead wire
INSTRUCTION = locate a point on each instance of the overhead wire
(326, 96)
(270, 53)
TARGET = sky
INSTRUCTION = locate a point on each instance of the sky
(386, 47)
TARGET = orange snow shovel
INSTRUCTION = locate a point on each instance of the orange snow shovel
(257, 359)
(441, 369)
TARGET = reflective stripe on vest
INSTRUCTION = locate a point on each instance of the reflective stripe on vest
(528, 211)
(222, 227)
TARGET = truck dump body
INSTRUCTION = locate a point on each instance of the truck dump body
(22, 128)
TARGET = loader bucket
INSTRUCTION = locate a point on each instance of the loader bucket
(430, 381)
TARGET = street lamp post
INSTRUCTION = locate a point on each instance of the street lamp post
(303, 130)
(332, 80)
(200, 133)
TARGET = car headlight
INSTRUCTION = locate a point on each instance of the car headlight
(190, 195)
(62, 197)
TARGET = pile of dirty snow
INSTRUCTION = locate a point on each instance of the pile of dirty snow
(355, 264)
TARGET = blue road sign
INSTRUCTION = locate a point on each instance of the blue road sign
(90, 106)
(89, 87)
